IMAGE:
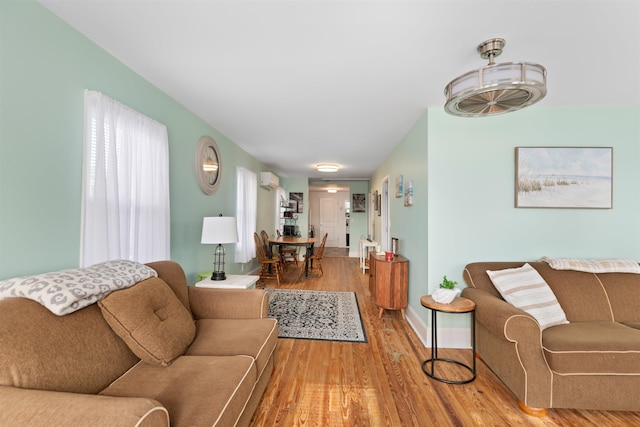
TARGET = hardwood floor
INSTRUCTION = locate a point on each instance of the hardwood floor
(381, 383)
(336, 252)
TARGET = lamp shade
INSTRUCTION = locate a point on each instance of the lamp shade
(219, 229)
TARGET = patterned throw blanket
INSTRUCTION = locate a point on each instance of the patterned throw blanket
(65, 291)
(610, 265)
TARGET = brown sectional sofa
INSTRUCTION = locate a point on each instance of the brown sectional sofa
(593, 362)
(74, 370)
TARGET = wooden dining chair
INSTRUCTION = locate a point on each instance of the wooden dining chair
(267, 250)
(265, 240)
(289, 254)
(315, 260)
(270, 267)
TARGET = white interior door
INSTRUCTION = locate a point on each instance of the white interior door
(329, 221)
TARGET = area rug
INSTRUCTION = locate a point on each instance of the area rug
(317, 315)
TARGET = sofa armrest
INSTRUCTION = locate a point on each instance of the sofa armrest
(502, 318)
(208, 303)
(34, 408)
(531, 380)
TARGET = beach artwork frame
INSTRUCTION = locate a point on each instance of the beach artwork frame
(564, 177)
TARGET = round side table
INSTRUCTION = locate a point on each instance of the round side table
(458, 305)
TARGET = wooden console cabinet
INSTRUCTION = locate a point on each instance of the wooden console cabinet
(388, 282)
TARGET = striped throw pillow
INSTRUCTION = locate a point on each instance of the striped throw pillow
(524, 288)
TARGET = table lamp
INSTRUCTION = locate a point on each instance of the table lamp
(219, 230)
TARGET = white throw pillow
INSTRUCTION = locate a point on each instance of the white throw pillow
(524, 288)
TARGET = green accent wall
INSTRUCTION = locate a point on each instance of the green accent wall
(463, 171)
(358, 220)
(45, 65)
(297, 185)
(408, 223)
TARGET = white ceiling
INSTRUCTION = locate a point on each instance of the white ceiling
(296, 83)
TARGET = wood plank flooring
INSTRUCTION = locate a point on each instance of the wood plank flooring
(381, 383)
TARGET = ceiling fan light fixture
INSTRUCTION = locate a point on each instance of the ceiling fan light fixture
(327, 167)
(495, 88)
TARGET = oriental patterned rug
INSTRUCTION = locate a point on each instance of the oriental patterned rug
(317, 315)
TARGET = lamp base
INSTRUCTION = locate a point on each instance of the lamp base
(218, 275)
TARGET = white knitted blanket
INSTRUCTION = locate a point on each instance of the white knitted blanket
(66, 291)
(609, 265)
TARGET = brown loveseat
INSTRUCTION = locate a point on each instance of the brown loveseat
(593, 362)
(209, 367)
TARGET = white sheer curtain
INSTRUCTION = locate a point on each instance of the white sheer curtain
(125, 200)
(246, 213)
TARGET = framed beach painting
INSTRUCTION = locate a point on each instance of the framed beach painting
(564, 177)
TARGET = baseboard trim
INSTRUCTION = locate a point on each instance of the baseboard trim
(447, 337)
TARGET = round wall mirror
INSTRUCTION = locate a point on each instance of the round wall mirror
(207, 164)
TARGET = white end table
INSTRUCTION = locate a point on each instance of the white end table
(233, 281)
(365, 247)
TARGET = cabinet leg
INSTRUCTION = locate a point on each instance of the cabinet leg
(380, 313)
(403, 316)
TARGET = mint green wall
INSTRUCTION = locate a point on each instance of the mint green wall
(473, 218)
(409, 223)
(358, 220)
(299, 185)
(464, 210)
(45, 65)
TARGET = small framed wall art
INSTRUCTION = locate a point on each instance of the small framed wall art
(399, 182)
(408, 194)
(358, 204)
(296, 198)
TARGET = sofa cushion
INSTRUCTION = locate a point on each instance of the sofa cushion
(523, 287)
(196, 390)
(623, 295)
(220, 337)
(151, 320)
(605, 348)
(43, 408)
(635, 325)
(580, 294)
(173, 275)
(76, 353)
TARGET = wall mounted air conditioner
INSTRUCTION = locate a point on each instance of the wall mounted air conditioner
(269, 180)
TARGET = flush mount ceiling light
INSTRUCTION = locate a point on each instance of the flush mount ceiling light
(495, 88)
(327, 167)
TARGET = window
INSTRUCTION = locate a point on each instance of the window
(125, 184)
(246, 213)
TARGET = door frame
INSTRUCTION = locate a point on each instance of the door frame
(385, 217)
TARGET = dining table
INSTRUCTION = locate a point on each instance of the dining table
(307, 242)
